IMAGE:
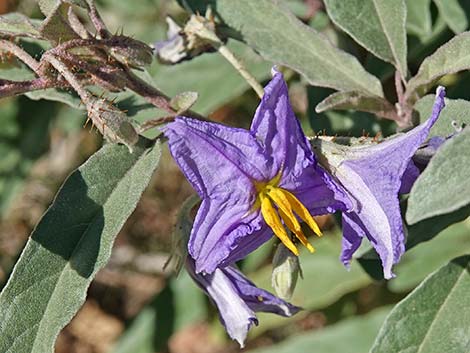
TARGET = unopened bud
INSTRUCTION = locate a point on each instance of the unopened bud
(183, 101)
(286, 270)
(131, 52)
(111, 122)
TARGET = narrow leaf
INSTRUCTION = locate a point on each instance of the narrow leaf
(377, 25)
(269, 28)
(450, 58)
(18, 24)
(70, 244)
(358, 101)
(56, 27)
(453, 14)
(418, 18)
(443, 187)
(434, 317)
(54, 94)
(48, 6)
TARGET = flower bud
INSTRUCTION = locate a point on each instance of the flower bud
(286, 269)
(113, 123)
(131, 52)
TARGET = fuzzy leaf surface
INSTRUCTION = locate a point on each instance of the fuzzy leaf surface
(72, 241)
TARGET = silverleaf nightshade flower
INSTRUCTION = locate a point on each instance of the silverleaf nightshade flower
(237, 299)
(374, 175)
(253, 183)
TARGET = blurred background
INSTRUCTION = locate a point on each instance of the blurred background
(135, 306)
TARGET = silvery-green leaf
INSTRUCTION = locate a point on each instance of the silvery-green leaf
(48, 6)
(434, 317)
(444, 185)
(72, 241)
(358, 101)
(56, 27)
(452, 57)
(377, 25)
(418, 18)
(18, 24)
(57, 95)
(453, 14)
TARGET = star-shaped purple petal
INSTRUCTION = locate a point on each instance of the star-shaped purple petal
(227, 165)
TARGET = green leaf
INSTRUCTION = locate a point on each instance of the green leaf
(358, 101)
(18, 24)
(377, 25)
(418, 18)
(456, 110)
(16, 73)
(443, 187)
(57, 95)
(70, 244)
(181, 303)
(354, 335)
(416, 264)
(450, 58)
(56, 27)
(434, 317)
(453, 14)
(48, 6)
(316, 290)
(269, 28)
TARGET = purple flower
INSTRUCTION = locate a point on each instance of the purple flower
(237, 299)
(373, 176)
(251, 180)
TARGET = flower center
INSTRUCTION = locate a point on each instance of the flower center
(276, 204)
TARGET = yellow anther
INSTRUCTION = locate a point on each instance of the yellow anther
(302, 212)
(274, 222)
(281, 201)
(298, 232)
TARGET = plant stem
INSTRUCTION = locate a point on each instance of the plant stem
(227, 54)
(97, 21)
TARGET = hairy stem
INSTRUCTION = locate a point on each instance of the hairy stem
(227, 54)
(68, 75)
(97, 21)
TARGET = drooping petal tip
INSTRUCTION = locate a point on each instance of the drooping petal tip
(238, 299)
(274, 70)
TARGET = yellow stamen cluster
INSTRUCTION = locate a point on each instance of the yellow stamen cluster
(269, 195)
